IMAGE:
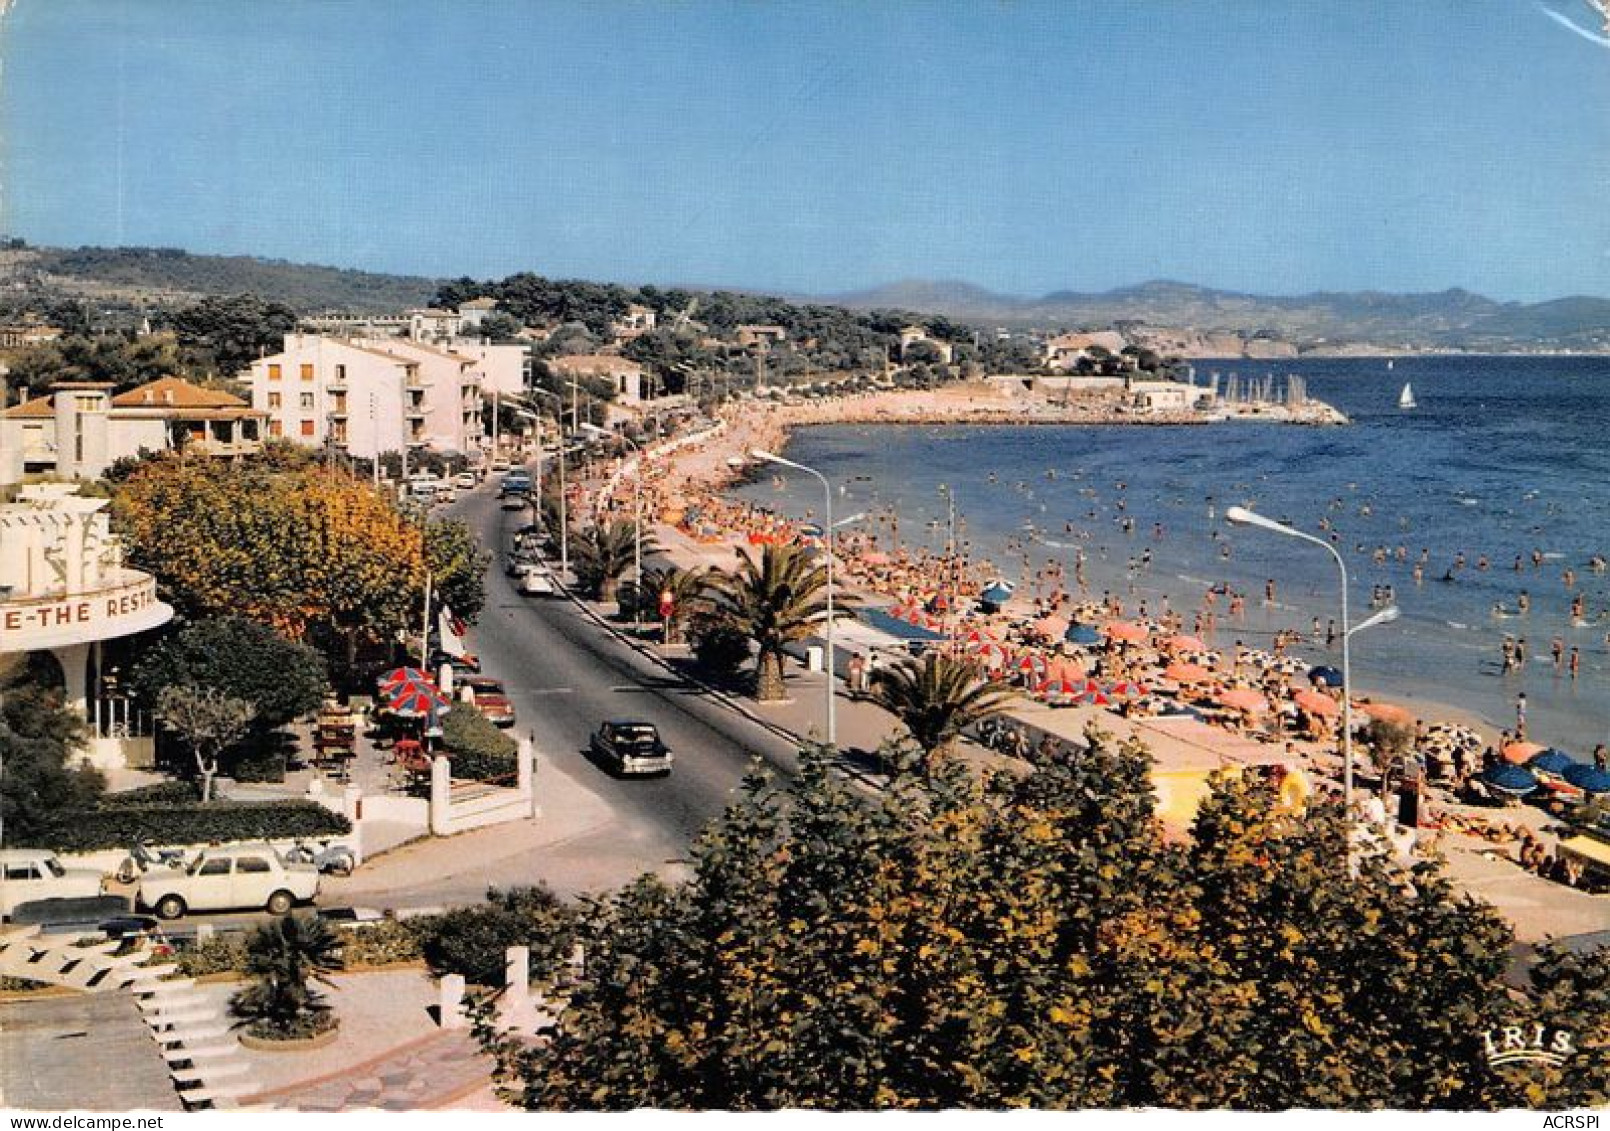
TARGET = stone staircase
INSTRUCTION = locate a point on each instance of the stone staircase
(195, 1040)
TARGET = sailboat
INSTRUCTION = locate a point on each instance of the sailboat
(1406, 398)
(1389, 364)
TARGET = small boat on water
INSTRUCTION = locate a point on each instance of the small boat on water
(1389, 363)
(1406, 398)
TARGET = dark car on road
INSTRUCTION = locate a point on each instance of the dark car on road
(631, 748)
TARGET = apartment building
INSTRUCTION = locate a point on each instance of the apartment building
(320, 390)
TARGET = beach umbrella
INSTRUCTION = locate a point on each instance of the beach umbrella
(1031, 662)
(1125, 689)
(1516, 781)
(1519, 753)
(1052, 627)
(996, 593)
(1126, 630)
(1552, 761)
(1388, 713)
(410, 691)
(875, 558)
(1244, 699)
(1184, 644)
(1094, 695)
(939, 604)
(1183, 672)
(1064, 669)
(1589, 779)
(1082, 634)
(1061, 689)
(1316, 703)
(1325, 674)
(809, 530)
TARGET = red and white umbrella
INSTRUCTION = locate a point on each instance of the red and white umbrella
(1126, 689)
(409, 691)
(1094, 695)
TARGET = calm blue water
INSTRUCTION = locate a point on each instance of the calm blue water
(1504, 457)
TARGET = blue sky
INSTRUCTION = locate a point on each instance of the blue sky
(1265, 145)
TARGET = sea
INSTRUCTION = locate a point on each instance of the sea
(1504, 458)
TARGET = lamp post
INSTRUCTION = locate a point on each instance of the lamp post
(827, 529)
(637, 521)
(1241, 516)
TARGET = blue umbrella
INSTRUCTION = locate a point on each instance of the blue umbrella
(1552, 761)
(1589, 779)
(1325, 674)
(1082, 634)
(1505, 778)
(996, 594)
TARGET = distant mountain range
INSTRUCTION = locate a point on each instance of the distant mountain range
(1453, 319)
(1180, 317)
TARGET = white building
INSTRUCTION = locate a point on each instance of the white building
(625, 374)
(912, 335)
(319, 390)
(81, 429)
(64, 590)
(451, 392)
(1065, 350)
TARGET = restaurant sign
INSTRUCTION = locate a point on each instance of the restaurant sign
(33, 623)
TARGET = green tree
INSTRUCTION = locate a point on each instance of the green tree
(108, 357)
(777, 600)
(284, 959)
(471, 941)
(602, 553)
(39, 739)
(688, 590)
(457, 565)
(937, 697)
(232, 331)
(240, 658)
(1037, 941)
(208, 721)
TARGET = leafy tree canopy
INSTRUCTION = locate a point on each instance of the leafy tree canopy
(39, 744)
(1036, 941)
(240, 658)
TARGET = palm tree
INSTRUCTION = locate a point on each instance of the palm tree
(777, 601)
(603, 553)
(937, 697)
(688, 589)
(284, 958)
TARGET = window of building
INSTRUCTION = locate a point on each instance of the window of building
(307, 371)
(307, 428)
(307, 400)
(273, 373)
(341, 373)
(273, 400)
(276, 429)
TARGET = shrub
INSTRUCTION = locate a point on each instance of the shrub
(471, 940)
(389, 942)
(720, 646)
(475, 747)
(161, 795)
(89, 829)
(222, 954)
(256, 766)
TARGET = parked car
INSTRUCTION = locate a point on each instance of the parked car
(632, 748)
(515, 502)
(27, 874)
(225, 879)
(465, 480)
(536, 581)
(500, 465)
(490, 699)
(468, 662)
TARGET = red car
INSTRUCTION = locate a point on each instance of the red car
(491, 699)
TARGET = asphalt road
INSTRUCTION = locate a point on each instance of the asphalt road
(566, 674)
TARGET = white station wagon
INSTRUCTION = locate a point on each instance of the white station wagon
(227, 879)
(27, 874)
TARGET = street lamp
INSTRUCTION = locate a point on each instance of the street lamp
(1241, 516)
(637, 520)
(827, 530)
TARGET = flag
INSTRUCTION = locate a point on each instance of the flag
(452, 632)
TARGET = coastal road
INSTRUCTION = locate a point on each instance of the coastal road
(565, 675)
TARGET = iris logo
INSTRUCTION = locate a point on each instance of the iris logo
(1520, 1044)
